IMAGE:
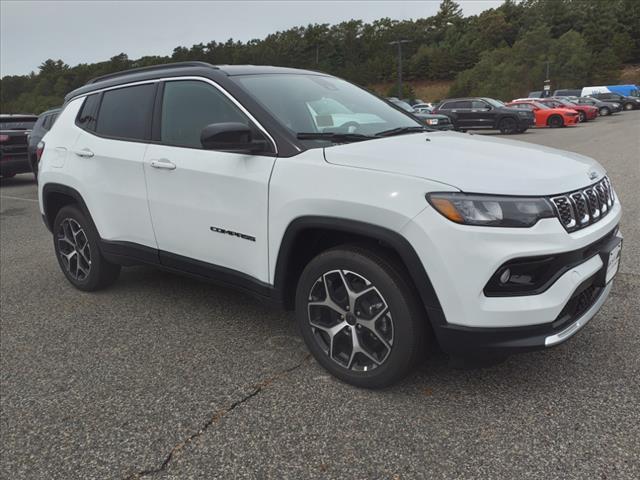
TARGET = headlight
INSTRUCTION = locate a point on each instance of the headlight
(432, 121)
(491, 210)
(616, 105)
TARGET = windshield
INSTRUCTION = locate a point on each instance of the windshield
(403, 105)
(323, 105)
(495, 103)
(541, 105)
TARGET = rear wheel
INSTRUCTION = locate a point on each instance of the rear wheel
(360, 317)
(507, 125)
(628, 106)
(75, 241)
(604, 111)
(555, 121)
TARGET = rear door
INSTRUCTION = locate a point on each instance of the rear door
(209, 208)
(107, 161)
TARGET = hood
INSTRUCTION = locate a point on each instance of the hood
(472, 163)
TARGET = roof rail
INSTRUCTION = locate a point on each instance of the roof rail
(150, 69)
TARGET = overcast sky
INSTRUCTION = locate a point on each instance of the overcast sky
(90, 31)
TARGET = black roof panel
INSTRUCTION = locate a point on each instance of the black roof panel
(202, 69)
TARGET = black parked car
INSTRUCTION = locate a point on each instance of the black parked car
(432, 120)
(628, 103)
(487, 113)
(42, 126)
(13, 143)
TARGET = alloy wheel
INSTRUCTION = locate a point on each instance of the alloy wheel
(74, 249)
(350, 320)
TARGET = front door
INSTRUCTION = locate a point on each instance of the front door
(208, 208)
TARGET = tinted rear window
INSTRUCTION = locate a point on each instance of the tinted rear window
(126, 112)
(23, 124)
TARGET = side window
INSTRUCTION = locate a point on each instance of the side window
(463, 105)
(126, 112)
(47, 123)
(88, 113)
(190, 105)
(478, 105)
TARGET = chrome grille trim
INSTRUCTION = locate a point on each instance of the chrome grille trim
(584, 207)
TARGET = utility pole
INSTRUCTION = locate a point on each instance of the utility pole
(546, 92)
(399, 43)
(317, 53)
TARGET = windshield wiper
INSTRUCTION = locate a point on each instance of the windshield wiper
(401, 131)
(333, 136)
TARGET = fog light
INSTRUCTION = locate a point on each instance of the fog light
(505, 275)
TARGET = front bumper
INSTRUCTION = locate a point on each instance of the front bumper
(488, 342)
(461, 259)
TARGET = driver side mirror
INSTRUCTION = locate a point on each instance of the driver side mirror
(487, 108)
(232, 137)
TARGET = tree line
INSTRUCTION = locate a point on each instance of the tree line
(502, 52)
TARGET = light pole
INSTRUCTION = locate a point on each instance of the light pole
(399, 43)
(546, 92)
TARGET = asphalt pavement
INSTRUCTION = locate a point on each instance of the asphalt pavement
(164, 377)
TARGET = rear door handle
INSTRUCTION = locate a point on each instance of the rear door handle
(84, 153)
(163, 163)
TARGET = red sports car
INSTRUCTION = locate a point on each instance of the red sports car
(586, 112)
(547, 116)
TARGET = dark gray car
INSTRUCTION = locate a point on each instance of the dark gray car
(43, 125)
(604, 108)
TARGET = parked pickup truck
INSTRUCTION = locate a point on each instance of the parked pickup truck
(14, 131)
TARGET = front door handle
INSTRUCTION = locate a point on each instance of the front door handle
(163, 163)
(84, 153)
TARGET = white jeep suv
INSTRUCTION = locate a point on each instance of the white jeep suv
(306, 190)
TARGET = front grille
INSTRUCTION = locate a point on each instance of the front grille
(584, 207)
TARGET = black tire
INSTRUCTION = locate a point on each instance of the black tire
(555, 121)
(628, 106)
(604, 111)
(583, 116)
(388, 291)
(508, 125)
(522, 130)
(86, 269)
(7, 175)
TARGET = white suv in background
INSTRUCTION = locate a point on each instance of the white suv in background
(306, 190)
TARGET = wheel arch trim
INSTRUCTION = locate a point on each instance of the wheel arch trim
(393, 239)
(51, 188)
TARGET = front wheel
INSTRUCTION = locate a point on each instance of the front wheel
(555, 121)
(604, 111)
(583, 117)
(75, 241)
(507, 126)
(360, 317)
(628, 106)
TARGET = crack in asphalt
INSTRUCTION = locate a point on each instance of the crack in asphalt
(216, 417)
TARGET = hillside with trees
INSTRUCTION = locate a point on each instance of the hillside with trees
(502, 52)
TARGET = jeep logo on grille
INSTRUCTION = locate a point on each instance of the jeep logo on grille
(593, 175)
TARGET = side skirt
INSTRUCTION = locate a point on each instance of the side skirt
(128, 254)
